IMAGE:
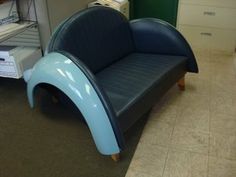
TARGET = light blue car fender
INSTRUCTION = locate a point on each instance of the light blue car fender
(58, 70)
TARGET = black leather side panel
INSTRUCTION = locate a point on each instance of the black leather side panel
(156, 36)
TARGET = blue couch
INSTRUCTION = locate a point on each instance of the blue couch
(113, 70)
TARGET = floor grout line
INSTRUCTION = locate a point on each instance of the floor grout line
(169, 144)
(209, 138)
(167, 156)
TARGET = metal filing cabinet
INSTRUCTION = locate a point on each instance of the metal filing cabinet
(209, 24)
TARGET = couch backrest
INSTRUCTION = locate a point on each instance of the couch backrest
(98, 36)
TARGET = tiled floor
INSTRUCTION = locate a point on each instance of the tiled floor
(193, 133)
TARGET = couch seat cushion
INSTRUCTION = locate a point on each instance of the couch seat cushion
(128, 80)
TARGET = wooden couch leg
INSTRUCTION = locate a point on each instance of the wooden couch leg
(181, 84)
(115, 157)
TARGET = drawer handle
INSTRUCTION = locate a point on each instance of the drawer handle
(209, 13)
(206, 34)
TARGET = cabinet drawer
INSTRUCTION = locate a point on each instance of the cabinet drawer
(207, 16)
(209, 38)
(216, 3)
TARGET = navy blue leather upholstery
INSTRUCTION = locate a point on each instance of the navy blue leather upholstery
(156, 36)
(97, 36)
(130, 65)
(139, 78)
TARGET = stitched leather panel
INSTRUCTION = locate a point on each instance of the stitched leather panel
(97, 36)
(130, 78)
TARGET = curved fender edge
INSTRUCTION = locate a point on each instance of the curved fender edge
(58, 70)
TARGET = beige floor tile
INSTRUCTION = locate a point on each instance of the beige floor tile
(197, 119)
(224, 80)
(223, 95)
(227, 90)
(194, 101)
(223, 124)
(234, 61)
(142, 174)
(185, 164)
(224, 74)
(223, 146)
(190, 140)
(197, 86)
(220, 69)
(171, 98)
(157, 133)
(223, 103)
(148, 161)
(224, 89)
(221, 167)
(165, 113)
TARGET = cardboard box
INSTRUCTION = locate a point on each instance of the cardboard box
(13, 66)
(8, 12)
(120, 5)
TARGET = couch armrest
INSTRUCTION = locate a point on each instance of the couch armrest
(152, 35)
(74, 79)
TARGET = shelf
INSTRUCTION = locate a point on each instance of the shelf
(20, 34)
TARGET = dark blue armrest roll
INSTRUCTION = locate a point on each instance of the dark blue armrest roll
(156, 36)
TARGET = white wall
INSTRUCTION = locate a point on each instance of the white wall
(49, 13)
(58, 10)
